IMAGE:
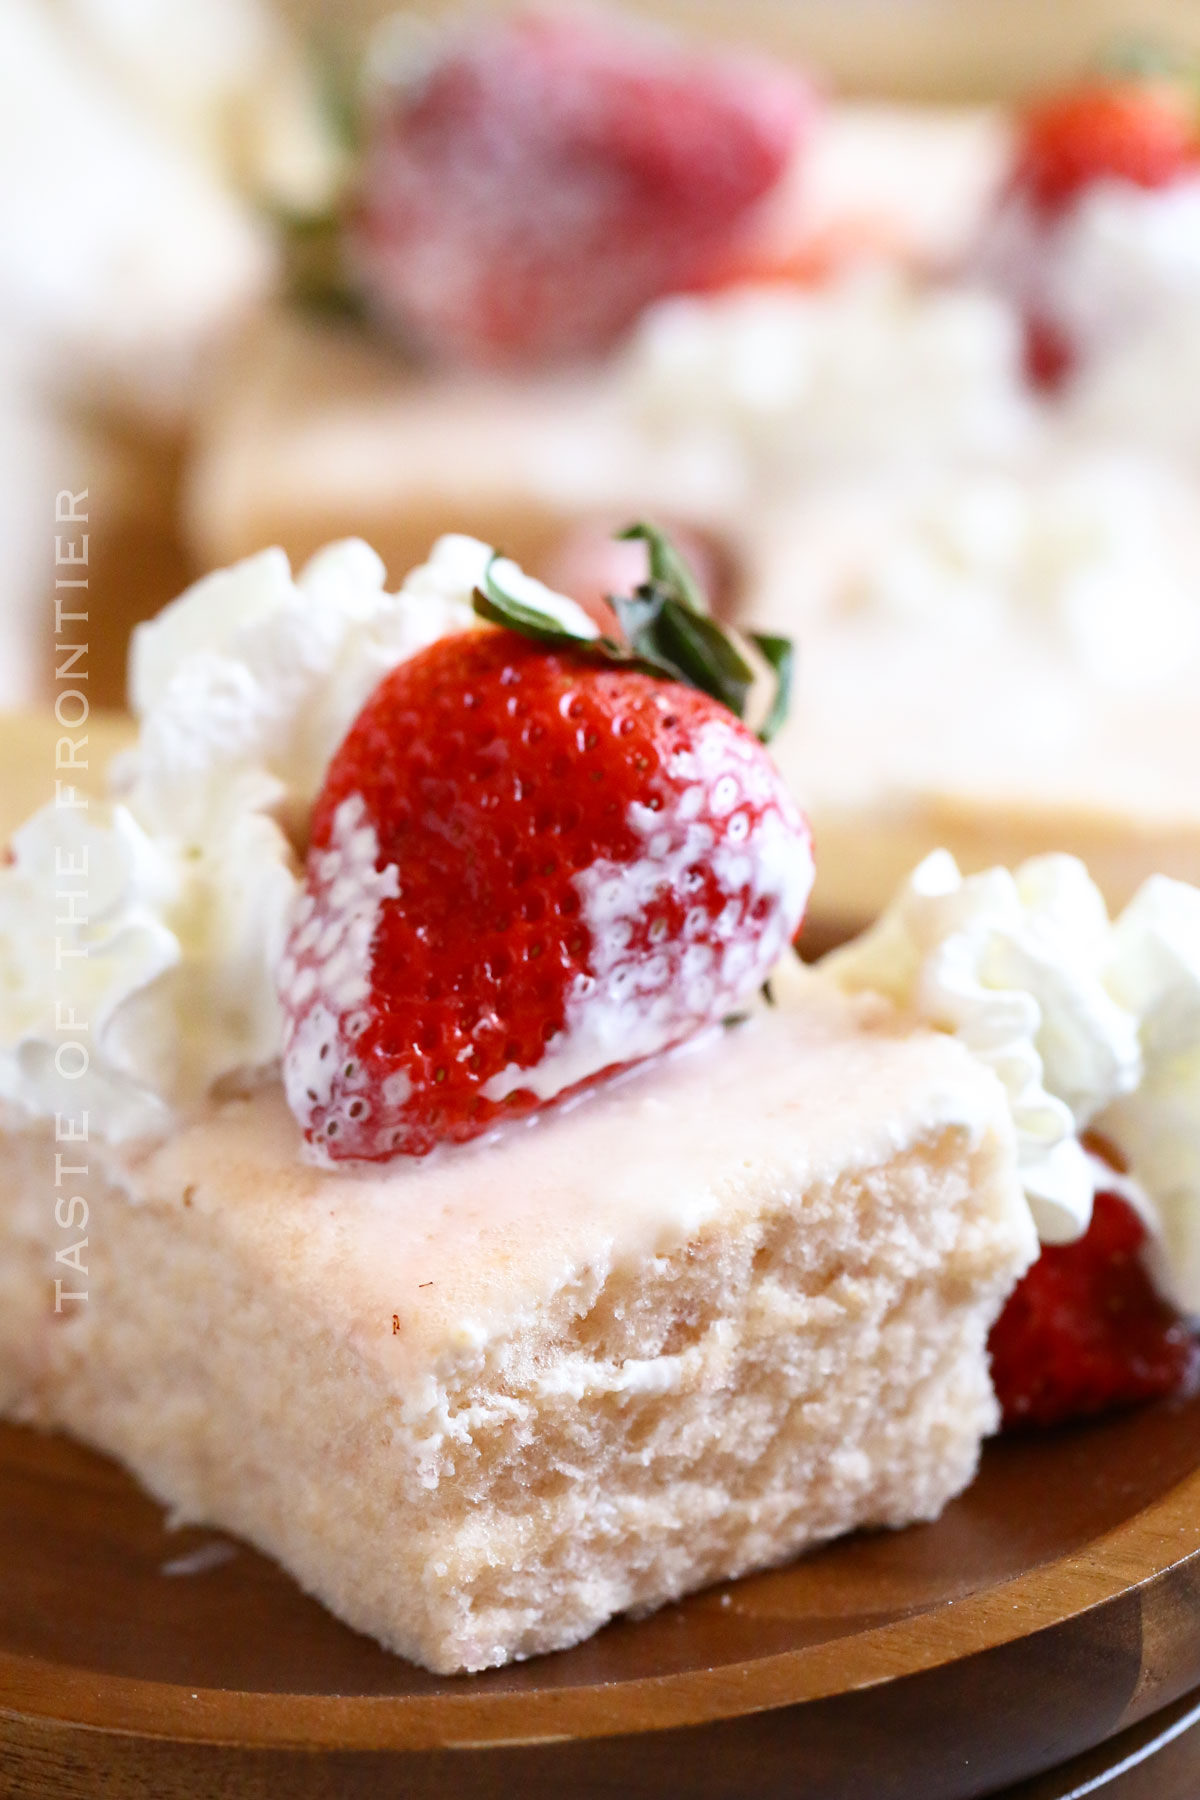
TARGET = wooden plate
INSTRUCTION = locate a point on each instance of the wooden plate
(1055, 1604)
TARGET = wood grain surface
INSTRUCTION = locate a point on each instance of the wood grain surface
(1156, 1760)
(1056, 1604)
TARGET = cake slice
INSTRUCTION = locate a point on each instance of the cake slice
(1001, 662)
(446, 1212)
(315, 429)
(28, 747)
(480, 1403)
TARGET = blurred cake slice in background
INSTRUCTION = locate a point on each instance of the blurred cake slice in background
(524, 192)
(160, 254)
(1002, 660)
(316, 429)
(889, 183)
(131, 137)
(811, 356)
(27, 755)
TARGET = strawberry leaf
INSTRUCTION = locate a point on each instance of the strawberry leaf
(667, 628)
(499, 607)
(668, 568)
(702, 653)
(1143, 58)
(495, 604)
(667, 620)
(780, 654)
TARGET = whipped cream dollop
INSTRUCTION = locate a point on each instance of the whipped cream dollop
(162, 258)
(1096, 552)
(134, 965)
(1088, 1024)
(145, 929)
(1154, 971)
(244, 687)
(870, 367)
(1109, 267)
(1011, 964)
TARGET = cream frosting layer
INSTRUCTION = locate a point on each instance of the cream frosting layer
(472, 1241)
(1003, 660)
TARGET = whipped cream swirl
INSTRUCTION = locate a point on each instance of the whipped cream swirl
(1087, 1023)
(1154, 971)
(870, 368)
(161, 966)
(1098, 553)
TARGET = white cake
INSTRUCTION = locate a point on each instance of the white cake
(731, 1307)
(728, 1305)
(316, 430)
(1000, 661)
(998, 639)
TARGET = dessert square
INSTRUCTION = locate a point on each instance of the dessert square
(720, 1311)
(313, 429)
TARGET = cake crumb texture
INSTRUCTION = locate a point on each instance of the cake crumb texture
(478, 1453)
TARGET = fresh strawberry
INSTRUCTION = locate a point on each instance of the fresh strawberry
(552, 173)
(1143, 132)
(529, 867)
(1085, 1331)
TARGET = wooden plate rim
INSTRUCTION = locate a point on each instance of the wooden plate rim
(1125, 1559)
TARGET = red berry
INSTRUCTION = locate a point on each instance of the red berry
(552, 174)
(527, 870)
(1049, 354)
(1085, 1331)
(1141, 132)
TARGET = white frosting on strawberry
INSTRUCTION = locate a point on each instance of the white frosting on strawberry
(632, 1005)
(324, 973)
